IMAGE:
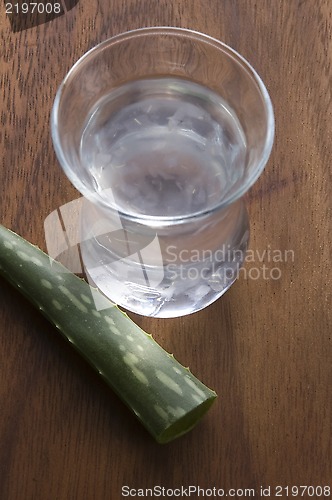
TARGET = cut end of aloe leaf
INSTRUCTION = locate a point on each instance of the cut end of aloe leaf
(185, 423)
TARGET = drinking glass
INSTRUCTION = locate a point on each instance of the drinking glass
(163, 130)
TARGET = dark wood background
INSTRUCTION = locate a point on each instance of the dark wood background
(265, 347)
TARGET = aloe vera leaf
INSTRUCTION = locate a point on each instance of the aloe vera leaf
(164, 395)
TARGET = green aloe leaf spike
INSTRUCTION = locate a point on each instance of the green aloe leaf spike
(165, 396)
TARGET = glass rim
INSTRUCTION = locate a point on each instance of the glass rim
(175, 31)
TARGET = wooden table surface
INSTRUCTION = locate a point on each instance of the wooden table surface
(265, 347)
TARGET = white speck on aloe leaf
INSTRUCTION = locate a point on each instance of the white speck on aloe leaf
(140, 348)
(177, 412)
(46, 284)
(122, 347)
(176, 370)
(36, 261)
(73, 299)
(96, 313)
(161, 412)
(8, 244)
(130, 359)
(194, 386)
(140, 375)
(168, 382)
(115, 330)
(196, 398)
(109, 320)
(57, 304)
(23, 255)
(130, 338)
(85, 298)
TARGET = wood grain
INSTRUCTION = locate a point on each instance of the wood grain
(265, 347)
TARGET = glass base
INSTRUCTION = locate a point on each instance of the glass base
(172, 289)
